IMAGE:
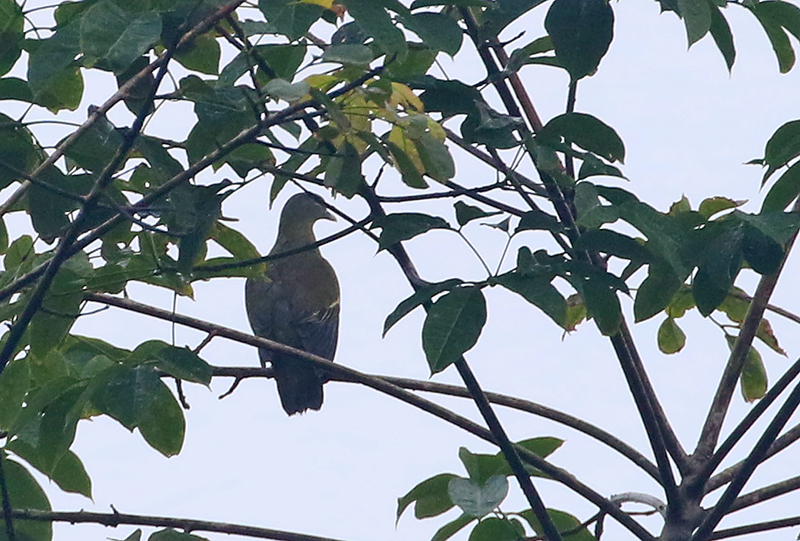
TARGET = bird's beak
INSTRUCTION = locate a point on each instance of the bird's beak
(330, 216)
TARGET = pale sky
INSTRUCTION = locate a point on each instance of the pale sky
(688, 127)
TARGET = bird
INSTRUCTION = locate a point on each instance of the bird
(296, 302)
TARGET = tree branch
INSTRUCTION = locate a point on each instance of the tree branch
(741, 429)
(114, 520)
(386, 387)
(748, 467)
(766, 493)
(719, 407)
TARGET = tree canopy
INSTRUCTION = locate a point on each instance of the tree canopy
(197, 101)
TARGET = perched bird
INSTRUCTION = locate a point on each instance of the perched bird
(297, 304)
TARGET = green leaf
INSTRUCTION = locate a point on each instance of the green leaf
(784, 191)
(478, 500)
(539, 292)
(542, 447)
(416, 63)
(681, 302)
(280, 60)
(735, 307)
(13, 88)
(135, 536)
(437, 160)
(696, 17)
(581, 31)
(178, 362)
(453, 527)
(603, 305)
(722, 263)
(53, 321)
(591, 214)
(25, 493)
(344, 171)
(564, 522)
(498, 15)
(53, 76)
(610, 242)
(405, 226)
(449, 97)
(772, 21)
(284, 90)
(373, 19)
(17, 150)
(671, 338)
(68, 473)
(15, 380)
(234, 242)
(721, 32)
(202, 55)
(753, 380)
(420, 297)
(481, 467)
(713, 205)
(94, 148)
(767, 335)
(466, 213)
(498, 529)
(452, 326)
(349, 54)
(430, 497)
(761, 252)
(585, 131)
(289, 17)
(655, 292)
(537, 219)
(113, 38)
(11, 34)
(168, 534)
(486, 126)
(162, 423)
(126, 392)
(782, 147)
(437, 30)
(779, 226)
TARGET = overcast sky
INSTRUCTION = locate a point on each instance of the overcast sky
(688, 127)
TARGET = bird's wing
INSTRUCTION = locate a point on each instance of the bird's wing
(319, 331)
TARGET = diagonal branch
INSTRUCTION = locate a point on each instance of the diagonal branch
(750, 464)
(384, 386)
(722, 399)
(744, 425)
(766, 493)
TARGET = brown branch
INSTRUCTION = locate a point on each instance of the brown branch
(766, 493)
(715, 418)
(755, 528)
(115, 519)
(519, 404)
(385, 387)
(741, 429)
(749, 465)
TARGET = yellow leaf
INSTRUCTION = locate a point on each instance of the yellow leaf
(404, 96)
(327, 4)
(398, 137)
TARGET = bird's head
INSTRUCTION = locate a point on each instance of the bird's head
(305, 208)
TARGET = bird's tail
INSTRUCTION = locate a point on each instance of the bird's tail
(299, 383)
